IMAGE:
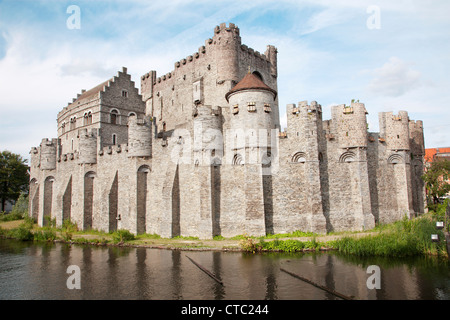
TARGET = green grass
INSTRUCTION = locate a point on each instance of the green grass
(122, 235)
(294, 234)
(10, 216)
(400, 239)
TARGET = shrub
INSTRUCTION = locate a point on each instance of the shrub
(67, 230)
(50, 222)
(122, 235)
(27, 223)
(20, 208)
(248, 244)
(45, 235)
(22, 233)
(9, 216)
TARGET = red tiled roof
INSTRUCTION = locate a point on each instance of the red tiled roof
(431, 152)
(250, 81)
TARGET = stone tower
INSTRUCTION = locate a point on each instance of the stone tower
(251, 103)
(139, 137)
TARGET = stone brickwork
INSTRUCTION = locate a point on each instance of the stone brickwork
(199, 152)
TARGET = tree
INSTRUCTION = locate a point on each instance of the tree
(436, 180)
(14, 177)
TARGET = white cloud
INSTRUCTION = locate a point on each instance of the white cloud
(395, 78)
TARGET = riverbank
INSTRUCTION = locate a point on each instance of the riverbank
(402, 238)
(312, 242)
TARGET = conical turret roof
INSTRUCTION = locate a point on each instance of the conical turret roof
(250, 81)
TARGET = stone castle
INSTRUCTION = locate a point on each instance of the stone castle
(200, 152)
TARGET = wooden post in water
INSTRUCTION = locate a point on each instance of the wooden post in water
(206, 271)
(337, 294)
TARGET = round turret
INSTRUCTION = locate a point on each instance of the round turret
(227, 43)
(139, 137)
(88, 147)
(352, 125)
(251, 103)
(48, 154)
(397, 131)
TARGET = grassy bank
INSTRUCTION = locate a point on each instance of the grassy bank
(400, 239)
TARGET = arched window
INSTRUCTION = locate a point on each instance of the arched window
(73, 123)
(87, 118)
(114, 117)
(114, 139)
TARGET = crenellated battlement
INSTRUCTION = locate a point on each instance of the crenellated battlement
(139, 137)
(223, 27)
(48, 152)
(349, 125)
(151, 79)
(394, 129)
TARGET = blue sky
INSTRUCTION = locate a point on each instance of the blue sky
(326, 52)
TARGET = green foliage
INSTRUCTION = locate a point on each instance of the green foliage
(14, 178)
(68, 228)
(122, 235)
(436, 181)
(44, 234)
(439, 213)
(185, 238)
(402, 238)
(23, 231)
(19, 211)
(20, 208)
(9, 216)
(249, 244)
(148, 236)
(49, 222)
(294, 234)
(28, 222)
(290, 245)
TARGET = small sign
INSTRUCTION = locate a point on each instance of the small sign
(440, 225)
(434, 237)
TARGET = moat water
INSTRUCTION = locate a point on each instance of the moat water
(39, 271)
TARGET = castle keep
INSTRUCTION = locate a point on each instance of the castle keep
(200, 152)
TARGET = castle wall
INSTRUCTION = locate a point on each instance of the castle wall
(220, 64)
(188, 164)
